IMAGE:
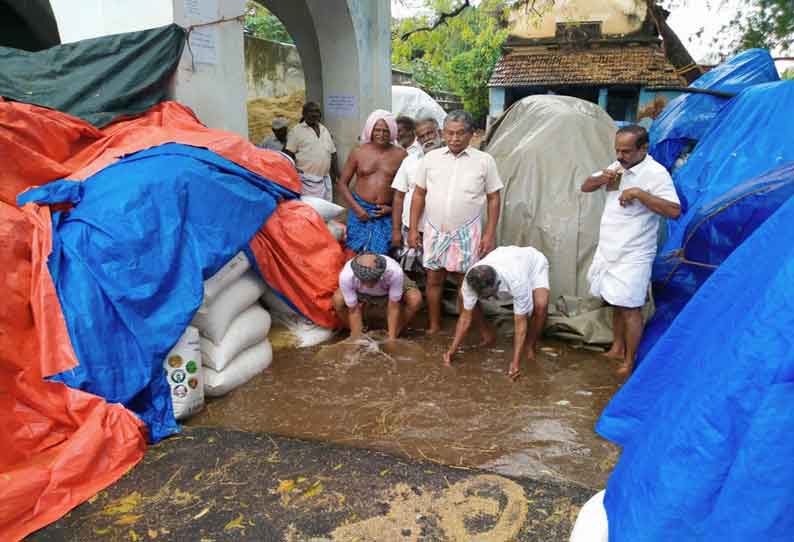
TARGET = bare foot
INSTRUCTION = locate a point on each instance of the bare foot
(625, 369)
(514, 372)
(614, 354)
(530, 356)
(488, 337)
(433, 330)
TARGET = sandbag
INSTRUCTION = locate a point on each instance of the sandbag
(183, 371)
(591, 523)
(337, 229)
(243, 368)
(214, 319)
(224, 278)
(324, 208)
(247, 329)
(294, 330)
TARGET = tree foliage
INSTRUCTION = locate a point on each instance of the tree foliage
(458, 55)
(261, 23)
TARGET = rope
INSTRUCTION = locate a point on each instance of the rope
(199, 25)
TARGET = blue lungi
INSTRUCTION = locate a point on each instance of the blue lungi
(374, 235)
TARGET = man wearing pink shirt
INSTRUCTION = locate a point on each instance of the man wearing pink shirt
(377, 280)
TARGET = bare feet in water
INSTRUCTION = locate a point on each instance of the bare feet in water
(514, 372)
(612, 353)
(433, 330)
(624, 371)
(488, 337)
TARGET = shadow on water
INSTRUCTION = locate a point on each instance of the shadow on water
(398, 397)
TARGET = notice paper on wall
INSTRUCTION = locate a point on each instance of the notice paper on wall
(201, 11)
(341, 105)
(203, 42)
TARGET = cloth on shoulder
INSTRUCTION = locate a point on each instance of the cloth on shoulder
(372, 120)
(374, 235)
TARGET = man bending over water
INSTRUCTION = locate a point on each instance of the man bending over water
(374, 164)
(377, 280)
(517, 274)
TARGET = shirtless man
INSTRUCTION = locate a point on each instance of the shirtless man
(374, 164)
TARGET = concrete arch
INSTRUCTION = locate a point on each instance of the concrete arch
(345, 49)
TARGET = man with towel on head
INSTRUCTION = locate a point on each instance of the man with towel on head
(638, 190)
(311, 147)
(374, 164)
(377, 280)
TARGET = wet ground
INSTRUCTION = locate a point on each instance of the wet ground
(220, 485)
(400, 399)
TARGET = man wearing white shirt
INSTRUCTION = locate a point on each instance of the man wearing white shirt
(406, 135)
(638, 191)
(517, 274)
(428, 137)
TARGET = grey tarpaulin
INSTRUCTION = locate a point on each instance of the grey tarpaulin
(545, 147)
(97, 79)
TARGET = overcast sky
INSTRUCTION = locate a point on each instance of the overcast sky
(686, 22)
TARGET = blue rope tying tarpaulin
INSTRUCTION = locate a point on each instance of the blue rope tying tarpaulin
(130, 258)
(687, 117)
(706, 422)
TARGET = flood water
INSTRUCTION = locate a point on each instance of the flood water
(399, 398)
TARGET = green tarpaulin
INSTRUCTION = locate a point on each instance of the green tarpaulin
(98, 79)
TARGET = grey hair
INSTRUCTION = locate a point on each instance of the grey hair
(427, 120)
(481, 278)
(460, 116)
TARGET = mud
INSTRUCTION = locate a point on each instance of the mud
(400, 399)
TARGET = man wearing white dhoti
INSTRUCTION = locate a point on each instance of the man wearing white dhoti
(638, 191)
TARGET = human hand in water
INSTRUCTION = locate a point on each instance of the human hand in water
(383, 210)
(448, 358)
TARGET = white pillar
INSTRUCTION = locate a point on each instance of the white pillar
(214, 86)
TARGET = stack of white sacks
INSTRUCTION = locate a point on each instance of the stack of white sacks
(328, 211)
(233, 327)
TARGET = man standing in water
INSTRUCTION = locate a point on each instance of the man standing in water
(638, 191)
(517, 274)
(377, 280)
(453, 186)
(310, 145)
(374, 164)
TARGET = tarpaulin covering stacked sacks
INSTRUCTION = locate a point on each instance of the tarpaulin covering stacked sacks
(107, 233)
(705, 422)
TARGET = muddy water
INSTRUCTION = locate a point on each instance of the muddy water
(399, 398)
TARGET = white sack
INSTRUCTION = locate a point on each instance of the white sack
(591, 523)
(303, 331)
(337, 229)
(247, 329)
(324, 208)
(214, 319)
(416, 103)
(227, 274)
(243, 368)
(183, 371)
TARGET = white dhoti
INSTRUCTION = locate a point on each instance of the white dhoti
(620, 283)
(314, 185)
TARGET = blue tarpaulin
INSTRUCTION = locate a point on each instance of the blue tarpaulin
(129, 260)
(750, 139)
(712, 234)
(687, 118)
(706, 422)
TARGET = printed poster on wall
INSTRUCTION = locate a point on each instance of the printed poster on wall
(341, 105)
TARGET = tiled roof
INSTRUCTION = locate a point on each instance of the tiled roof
(639, 65)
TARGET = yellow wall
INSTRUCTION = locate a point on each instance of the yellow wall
(616, 16)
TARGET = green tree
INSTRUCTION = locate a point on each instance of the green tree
(458, 55)
(788, 74)
(261, 23)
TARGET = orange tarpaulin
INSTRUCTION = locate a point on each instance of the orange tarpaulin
(60, 446)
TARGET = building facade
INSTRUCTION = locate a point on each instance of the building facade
(606, 52)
